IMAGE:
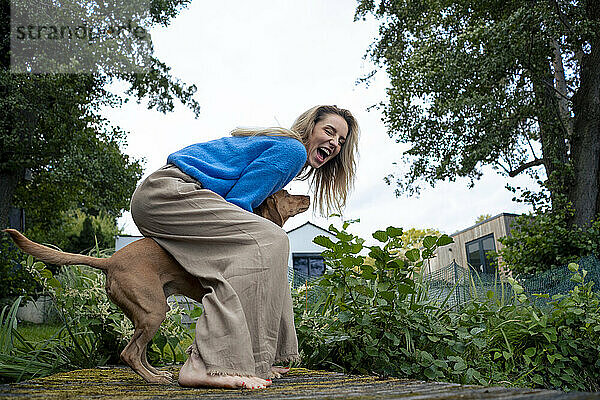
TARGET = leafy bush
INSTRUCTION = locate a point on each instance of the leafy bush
(77, 232)
(381, 320)
(14, 280)
(542, 241)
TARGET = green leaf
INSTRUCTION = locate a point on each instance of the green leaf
(324, 241)
(356, 248)
(393, 232)
(396, 263)
(460, 365)
(378, 254)
(433, 338)
(46, 273)
(345, 316)
(573, 267)
(392, 337)
(429, 242)
(413, 255)
(367, 272)
(430, 374)
(444, 240)
(381, 236)
(405, 289)
(427, 357)
(372, 351)
(537, 379)
(173, 341)
(55, 283)
(530, 352)
(39, 266)
(160, 341)
(577, 278)
(477, 330)
(471, 375)
(196, 312)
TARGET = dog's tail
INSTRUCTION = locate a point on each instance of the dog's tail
(51, 256)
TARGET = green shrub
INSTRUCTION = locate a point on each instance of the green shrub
(14, 280)
(381, 320)
(78, 232)
(542, 241)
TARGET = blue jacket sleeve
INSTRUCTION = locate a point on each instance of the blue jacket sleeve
(267, 174)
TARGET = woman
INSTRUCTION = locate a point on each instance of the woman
(199, 209)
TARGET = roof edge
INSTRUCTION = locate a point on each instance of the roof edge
(483, 222)
(315, 225)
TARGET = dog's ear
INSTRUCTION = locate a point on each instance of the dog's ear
(273, 211)
(268, 209)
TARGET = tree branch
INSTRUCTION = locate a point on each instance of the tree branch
(563, 20)
(537, 161)
(530, 146)
(503, 167)
(564, 113)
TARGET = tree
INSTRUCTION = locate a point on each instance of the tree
(413, 238)
(50, 125)
(482, 218)
(510, 84)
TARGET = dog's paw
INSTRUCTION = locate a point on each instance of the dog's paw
(166, 374)
(162, 380)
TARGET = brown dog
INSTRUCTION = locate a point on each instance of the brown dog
(141, 276)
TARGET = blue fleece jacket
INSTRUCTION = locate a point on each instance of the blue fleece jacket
(244, 170)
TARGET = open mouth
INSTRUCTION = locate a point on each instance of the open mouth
(322, 154)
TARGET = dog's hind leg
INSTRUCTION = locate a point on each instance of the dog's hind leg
(146, 308)
(151, 368)
(134, 353)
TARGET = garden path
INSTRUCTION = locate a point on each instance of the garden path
(299, 383)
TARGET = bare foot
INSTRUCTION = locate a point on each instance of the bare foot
(278, 371)
(224, 381)
(193, 374)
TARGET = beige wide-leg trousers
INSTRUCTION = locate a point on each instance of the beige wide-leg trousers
(239, 257)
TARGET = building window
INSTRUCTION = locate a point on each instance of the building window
(478, 254)
(307, 266)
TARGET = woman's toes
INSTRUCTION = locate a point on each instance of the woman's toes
(256, 383)
(281, 370)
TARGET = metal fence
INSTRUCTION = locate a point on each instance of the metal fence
(458, 284)
(455, 285)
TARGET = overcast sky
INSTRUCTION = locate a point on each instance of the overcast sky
(262, 63)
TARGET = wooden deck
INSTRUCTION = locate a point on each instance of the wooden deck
(122, 383)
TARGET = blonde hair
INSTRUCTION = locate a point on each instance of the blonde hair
(332, 182)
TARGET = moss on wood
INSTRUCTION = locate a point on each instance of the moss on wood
(122, 383)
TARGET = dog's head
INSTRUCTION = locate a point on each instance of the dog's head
(280, 206)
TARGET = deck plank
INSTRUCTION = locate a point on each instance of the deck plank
(299, 383)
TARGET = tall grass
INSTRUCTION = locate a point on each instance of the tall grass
(19, 358)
